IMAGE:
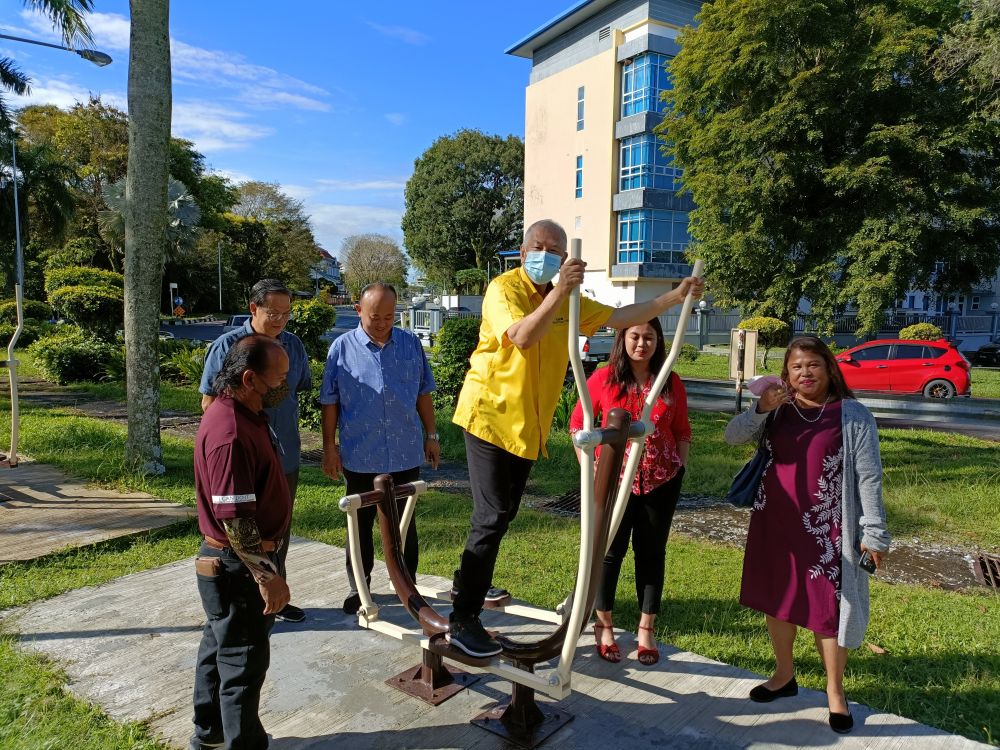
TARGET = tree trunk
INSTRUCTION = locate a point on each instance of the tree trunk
(145, 225)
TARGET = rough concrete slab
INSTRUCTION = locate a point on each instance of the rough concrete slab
(130, 645)
(43, 510)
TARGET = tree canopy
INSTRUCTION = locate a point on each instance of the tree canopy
(826, 158)
(372, 257)
(464, 203)
(972, 50)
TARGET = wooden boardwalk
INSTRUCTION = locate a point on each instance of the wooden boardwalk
(42, 510)
(129, 646)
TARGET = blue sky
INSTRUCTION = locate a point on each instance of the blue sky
(332, 100)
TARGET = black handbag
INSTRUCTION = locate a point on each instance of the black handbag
(743, 491)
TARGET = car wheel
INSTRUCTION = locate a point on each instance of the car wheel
(939, 389)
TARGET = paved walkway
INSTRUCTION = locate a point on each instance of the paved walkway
(129, 646)
(43, 510)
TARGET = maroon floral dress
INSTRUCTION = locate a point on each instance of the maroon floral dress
(791, 569)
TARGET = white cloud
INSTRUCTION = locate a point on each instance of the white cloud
(110, 30)
(396, 118)
(363, 184)
(333, 222)
(402, 33)
(299, 192)
(215, 128)
(64, 94)
(272, 99)
(233, 175)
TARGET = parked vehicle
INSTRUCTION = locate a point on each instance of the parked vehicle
(988, 355)
(234, 322)
(934, 368)
(597, 348)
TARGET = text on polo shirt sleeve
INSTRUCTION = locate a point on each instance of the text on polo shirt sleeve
(230, 481)
(329, 392)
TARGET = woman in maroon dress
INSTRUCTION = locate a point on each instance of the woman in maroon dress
(818, 508)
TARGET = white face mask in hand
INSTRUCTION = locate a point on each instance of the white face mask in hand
(541, 266)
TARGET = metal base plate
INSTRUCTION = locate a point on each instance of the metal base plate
(410, 682)
(552, 721)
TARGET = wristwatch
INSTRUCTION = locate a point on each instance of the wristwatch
(433, 436)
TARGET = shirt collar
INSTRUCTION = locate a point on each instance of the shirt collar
(523, 276)
(363, 338)
(258, 417)
(250, 331)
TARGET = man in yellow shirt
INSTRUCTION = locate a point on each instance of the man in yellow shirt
(509, 398)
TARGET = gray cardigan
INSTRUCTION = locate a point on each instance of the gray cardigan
(862, 511)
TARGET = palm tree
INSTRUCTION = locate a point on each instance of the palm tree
(65, 15)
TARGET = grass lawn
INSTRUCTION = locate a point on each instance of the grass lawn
(942, 669)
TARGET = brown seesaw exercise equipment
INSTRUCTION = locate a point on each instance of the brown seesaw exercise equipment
(520, 720)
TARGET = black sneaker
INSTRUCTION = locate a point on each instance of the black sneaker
(471, 637)
(495, 594)
(352, 604)
(291, 613)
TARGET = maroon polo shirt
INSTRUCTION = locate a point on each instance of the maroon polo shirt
(238, 473)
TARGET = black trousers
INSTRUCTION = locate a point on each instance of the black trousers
(358, 482)
(498, 479)
(233, 657)
(647, 521)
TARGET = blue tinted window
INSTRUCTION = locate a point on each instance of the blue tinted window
(579, 176)
(644, 165)
(579, 108)
(644, 78)
(656, 236)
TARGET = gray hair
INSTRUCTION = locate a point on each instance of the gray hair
(551, 225)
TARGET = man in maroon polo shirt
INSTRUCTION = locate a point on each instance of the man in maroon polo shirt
(244, 509)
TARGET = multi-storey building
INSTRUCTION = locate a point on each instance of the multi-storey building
(592, 160)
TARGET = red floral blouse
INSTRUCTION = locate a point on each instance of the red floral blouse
(660, 462)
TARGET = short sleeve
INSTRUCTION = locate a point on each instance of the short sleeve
(593, 315)
(230, 482)
(329, 392)
(213, 363)
(504, 305)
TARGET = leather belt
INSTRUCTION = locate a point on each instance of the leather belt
(266, 545)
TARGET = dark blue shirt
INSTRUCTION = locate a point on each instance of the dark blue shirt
(284, 417)
(376, 388)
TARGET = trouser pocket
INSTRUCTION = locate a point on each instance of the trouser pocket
(211, 586)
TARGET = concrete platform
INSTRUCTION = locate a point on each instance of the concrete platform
(130, 645)
(43, 510)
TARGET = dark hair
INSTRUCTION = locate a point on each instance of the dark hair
(251, 352)
(264, 287)
(621, 370)
(815, 345)
(385, 286)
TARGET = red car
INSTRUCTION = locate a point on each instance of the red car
(934, 368)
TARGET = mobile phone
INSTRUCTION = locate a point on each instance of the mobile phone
(867, 563)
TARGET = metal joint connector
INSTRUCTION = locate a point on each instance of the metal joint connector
(587, 439)
(349, 503)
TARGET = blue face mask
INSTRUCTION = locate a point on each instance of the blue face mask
(541, 266)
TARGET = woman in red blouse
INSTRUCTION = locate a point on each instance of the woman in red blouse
(636, 358)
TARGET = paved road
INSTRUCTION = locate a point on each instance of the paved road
(347, 319)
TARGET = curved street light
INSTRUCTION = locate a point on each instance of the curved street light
(92, 55)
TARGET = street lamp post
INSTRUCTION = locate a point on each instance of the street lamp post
(100, 59)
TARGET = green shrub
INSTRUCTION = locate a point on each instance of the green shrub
(114, 367)
(79, 251)
(455, 343)
(184, 366)
(564, 408)
(69, 355)
(688, 353)
(98, 310)
(56, 278)
(921, 332)
(311, 319)
(771, 332)
(31, 332)
(33, 310)
(310, 411)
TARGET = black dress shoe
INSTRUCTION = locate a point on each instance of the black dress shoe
(352, 604)
(841, 723)
(761, 694)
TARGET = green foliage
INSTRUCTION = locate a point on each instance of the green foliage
(921, 332)
(455, 343)
(311, 319)
(827, 160)
(69, 355)
(33, 310)
(372, 257)
(98, 310)
(972, 50)
(31, 332)
(78, 251)
(310, 410)
(184, 366)
(471, 280)
(56, 278)
(464, 203)
(771, 332)
(564, 408)
(688, 353)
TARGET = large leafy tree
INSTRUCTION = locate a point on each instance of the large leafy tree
(464, 203)
(827, 160)
(972, 50)
(149, 105)
(372, 257)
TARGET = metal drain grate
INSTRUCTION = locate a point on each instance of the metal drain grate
(987, 570)
(566, 505)
(315, 456)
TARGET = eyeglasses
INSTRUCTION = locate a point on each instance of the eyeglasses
(274, 317)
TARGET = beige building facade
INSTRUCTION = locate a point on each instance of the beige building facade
(592, 161)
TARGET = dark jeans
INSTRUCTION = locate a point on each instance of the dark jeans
(498, 479)
(233, 657)
(647, 521)
(357, 483)
(292, 478)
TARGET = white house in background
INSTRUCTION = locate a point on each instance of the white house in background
(327, 270)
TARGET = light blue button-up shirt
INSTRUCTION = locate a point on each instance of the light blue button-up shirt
(376, 388)
(284, 417)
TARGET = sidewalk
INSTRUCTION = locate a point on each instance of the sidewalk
(129, 646)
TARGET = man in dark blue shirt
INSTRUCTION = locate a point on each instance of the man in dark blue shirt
(377, 389)
(270, 310)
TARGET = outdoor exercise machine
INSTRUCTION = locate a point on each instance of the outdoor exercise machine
(521, 719)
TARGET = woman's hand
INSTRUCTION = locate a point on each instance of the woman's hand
(877, 557)
(774, 397)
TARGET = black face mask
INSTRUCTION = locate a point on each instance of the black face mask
(274, 396)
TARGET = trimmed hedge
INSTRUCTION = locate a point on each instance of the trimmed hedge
(771, 332)
(311, 319)
(455, 343)
(98, 310)
(56, 278)
(32, 331)
(70, 355)
(33, 310)
(921, 332)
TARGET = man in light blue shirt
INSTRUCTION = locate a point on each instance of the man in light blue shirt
(270, 310)
(377, 389)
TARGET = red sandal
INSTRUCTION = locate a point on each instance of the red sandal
(648, 656)
(607, 651)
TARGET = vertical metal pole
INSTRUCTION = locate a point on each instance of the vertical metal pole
(741, 353)
(15, 411)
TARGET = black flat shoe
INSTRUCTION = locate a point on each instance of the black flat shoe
(761, 694)
(841, 723)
